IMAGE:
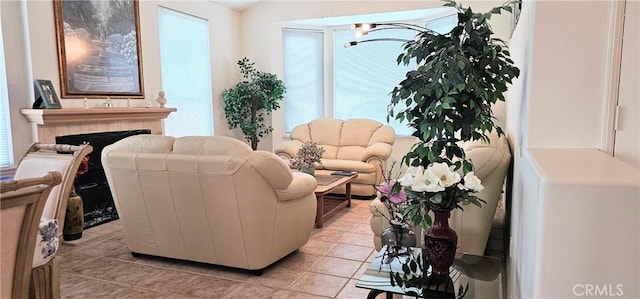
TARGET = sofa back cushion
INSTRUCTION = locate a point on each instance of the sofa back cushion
(344, 139)
(145, 144)
(210, 145)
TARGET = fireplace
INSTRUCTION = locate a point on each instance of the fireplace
(92, 186)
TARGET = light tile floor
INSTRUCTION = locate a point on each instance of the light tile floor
(100, 266)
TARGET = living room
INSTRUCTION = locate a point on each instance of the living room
(555, 120)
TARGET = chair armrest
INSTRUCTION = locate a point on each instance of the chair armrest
(378, 150)
(288, 149)
(301, 185)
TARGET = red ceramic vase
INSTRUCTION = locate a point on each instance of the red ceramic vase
(440, 243)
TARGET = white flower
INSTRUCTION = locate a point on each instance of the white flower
(444, 173)
(410, 175)
(471, 182)
(426, 181)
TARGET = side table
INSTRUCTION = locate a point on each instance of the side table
(470, 277)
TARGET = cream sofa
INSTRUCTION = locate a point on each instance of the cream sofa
(473, 225)
(208, 199)
(360, 145)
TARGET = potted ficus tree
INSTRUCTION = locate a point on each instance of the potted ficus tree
(449, 96)
(247, 104)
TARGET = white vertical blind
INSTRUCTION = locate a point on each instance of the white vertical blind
(303, 76)
(186, 73)
(6, 151)
(365, 75)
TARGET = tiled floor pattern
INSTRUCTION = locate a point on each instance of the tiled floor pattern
(100, 266)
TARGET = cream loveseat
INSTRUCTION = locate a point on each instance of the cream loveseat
(360, 145)
(473, 225)
(208, 199)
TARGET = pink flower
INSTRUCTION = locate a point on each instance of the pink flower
(387, 190)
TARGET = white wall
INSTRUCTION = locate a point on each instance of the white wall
(262, 39)
(574, 208)
(30, 47)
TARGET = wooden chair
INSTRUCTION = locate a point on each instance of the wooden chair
(39, 159)
(21, 205)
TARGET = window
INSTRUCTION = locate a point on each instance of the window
(186, 72)
(6, 151)
(362, 77)
(303, 76)
(365, 75)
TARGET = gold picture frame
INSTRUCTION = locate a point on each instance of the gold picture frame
(99, 53)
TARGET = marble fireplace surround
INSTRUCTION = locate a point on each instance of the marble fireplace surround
(46, 124)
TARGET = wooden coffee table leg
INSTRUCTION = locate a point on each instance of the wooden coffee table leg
(319, 210)
(348, 194)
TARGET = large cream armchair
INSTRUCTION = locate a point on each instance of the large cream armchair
(208, 199)
(360, 145)
(473, 225)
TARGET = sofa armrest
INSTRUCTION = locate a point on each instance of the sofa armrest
(378, 150)
(301, 185)
(288, 149)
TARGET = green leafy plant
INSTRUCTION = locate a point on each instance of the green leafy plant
(448, 99)
(246, 104)
(460, 75)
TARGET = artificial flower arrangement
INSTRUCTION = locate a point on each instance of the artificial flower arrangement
(438, 187)
(308, 154)
(393, 196)
(419, 190)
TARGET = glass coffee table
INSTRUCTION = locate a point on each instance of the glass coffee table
(470, 276)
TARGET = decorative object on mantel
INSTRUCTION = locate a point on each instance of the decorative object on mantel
(46, 97)
(246, 104)
(308, 155)
(99, 51)
(448, 99)
(160, 99)
(107, 103)
(74, 216)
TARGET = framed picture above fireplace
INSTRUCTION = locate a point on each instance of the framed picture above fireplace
(99, 52)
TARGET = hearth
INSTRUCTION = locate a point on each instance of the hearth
(92, 186)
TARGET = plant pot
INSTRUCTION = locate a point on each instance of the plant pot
(440, 243)
(74, 217)
(310, 170)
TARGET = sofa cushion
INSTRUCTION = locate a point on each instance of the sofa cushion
(350, 152)
(358, 132)
(348, 165)
(140, 143)
(210, 145)
(326, 131)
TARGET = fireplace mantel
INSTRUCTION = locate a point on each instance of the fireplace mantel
(46, 124)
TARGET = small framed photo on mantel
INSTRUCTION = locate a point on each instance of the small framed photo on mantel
(46, 97)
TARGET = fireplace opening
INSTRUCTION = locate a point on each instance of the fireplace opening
(92, 186)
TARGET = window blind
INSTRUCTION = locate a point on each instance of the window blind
(365, 75)
(303, 76)
(186, 73)
(6, 151)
